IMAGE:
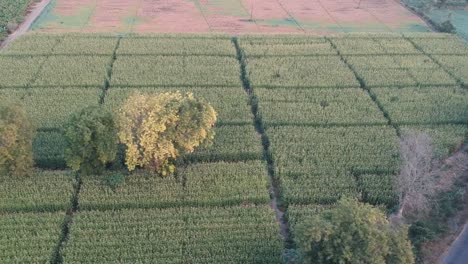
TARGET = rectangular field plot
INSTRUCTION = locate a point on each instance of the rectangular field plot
(51, 107)
(368, 46)
(399, 70)
(29, 237)
(19, 71)
(86, 45)
(280, 46)
(231, 103)
(246, 234)
(451, 45)
(225, 184)
(325, 159)
(175, 71)
(424, 105)
(378, 189)
(323, 71)
(73, 71)
(456, 65)
(32, 44)
(49, 149)
(445, 138)
(231, 143)
(280, 39)
(43, 191)
(318, 107)
(139, 190)
(205, 184)
(221, 46)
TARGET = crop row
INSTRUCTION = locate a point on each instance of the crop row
(44, 191)
(424, 104)
(348, 106)
(326, 71)
(326, 160)
(230, 103)
(245, 234)
(76, 44)
(201, 184)
(175, 71)
(455, 64)
(411, 70)
(29, 237)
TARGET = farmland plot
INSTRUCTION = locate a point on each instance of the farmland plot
(29, 237)
(247, 234)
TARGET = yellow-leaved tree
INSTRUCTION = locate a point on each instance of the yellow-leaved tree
(158, 128)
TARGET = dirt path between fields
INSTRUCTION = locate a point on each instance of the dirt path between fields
(34, 12)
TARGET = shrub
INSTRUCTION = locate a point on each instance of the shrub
(91, 137)
(353, 232)
(16, 136)
(157, 129)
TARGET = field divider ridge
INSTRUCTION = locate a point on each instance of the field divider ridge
(275, 202)
(109, 69)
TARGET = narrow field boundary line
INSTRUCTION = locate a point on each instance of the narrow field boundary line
(109, 72)
(369, 92)
(291, 16)
(283, 224)
(458, 80)
(250, 14)
(137, 8)
(197, 3)
(330, 15)
(57, 257)
(41, 66)
(88, 19)
(374, 16)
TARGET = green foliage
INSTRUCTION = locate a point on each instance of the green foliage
(16, 136)
(46, 191)
(240, 234)
(18, 71)
(11, 11)
(29, 237)
(353, 232)
(177, 45)
(319, 165)
(49, 150)
(158, 129)
(322, 71)
(436, 105)
(206, 184)
(91, 137)
(175, 71)
(231, 104)
(319, 107)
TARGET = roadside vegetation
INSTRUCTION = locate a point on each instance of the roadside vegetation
(11, 15)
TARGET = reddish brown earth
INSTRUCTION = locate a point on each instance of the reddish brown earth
(229, 16)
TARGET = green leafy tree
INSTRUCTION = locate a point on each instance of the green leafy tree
(353, 232)
(16, 136)
(156, 129)
(91, 136)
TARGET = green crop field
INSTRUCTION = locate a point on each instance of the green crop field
(320, 117)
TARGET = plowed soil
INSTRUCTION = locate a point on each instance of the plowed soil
(228, 16)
